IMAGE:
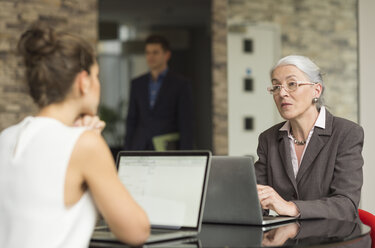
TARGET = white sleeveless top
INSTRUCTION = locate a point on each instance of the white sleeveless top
(34, 157)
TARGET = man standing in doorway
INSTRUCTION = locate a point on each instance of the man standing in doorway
(160, 102)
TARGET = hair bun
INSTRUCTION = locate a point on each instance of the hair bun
(37, 42)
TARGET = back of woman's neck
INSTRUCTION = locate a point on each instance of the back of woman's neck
(59, 112)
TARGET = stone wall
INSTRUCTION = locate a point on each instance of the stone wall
(324, 30)
(76, 16)
(219, 77)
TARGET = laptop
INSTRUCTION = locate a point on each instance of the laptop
(232, 196)
(171, 188)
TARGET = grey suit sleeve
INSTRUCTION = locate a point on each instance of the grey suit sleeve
(261, 163)
(346, 184)
(261, 166)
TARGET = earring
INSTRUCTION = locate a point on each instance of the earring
(315, 100)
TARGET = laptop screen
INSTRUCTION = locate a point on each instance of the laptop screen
(169, 186)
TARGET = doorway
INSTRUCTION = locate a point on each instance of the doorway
(123, 26)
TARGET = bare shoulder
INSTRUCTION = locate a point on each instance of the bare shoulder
(90, 140)
(91, 150)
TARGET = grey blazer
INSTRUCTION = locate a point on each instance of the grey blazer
(329, 180)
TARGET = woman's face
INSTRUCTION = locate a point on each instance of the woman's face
(295, 104)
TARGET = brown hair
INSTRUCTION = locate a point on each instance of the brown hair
(52, 62)
(158, 39)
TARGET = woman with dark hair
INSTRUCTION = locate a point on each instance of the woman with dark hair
(56, 169)
(309, 166)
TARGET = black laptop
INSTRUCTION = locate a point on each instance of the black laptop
(171, 188)
(232, 196)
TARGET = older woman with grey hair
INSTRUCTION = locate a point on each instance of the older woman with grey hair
(309, 166)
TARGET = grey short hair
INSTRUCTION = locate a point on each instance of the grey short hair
(311, 70)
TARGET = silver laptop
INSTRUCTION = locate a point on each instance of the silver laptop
(232, 196)
(171, 188)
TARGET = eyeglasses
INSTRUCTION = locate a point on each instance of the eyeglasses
(289, 86)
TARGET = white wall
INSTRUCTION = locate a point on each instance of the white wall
(254, 104)
(367, 98)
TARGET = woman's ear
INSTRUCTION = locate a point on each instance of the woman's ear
(83, 82)
(318, 90)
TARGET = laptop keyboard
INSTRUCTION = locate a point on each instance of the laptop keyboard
(158, 231)
(105, 228)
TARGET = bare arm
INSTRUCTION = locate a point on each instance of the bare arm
(124, 216)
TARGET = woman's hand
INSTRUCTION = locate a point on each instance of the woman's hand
(91, 122)
(270, 199)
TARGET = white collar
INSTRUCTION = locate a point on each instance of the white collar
(320, 122)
